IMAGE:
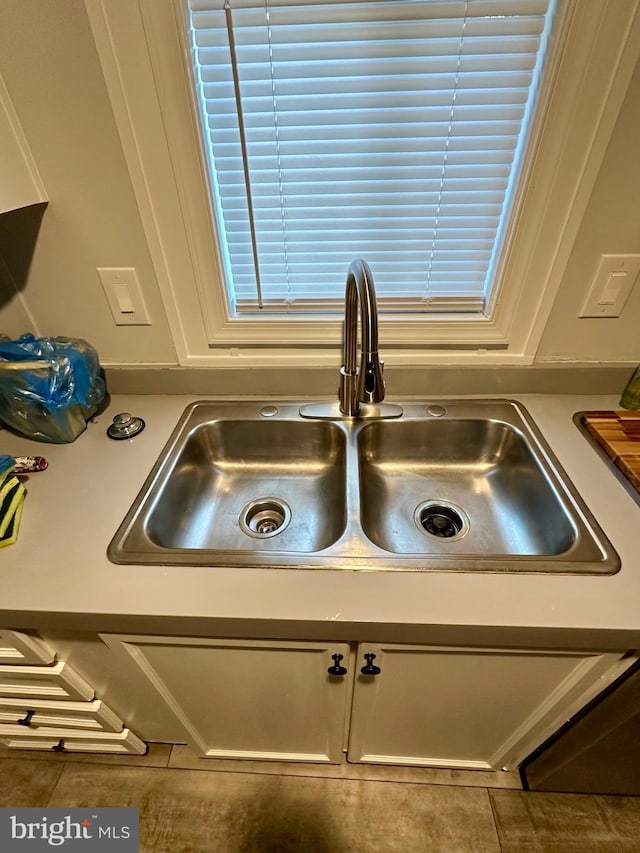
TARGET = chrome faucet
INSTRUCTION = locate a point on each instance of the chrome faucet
(365, 385)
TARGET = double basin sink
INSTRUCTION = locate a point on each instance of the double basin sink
(456, 485)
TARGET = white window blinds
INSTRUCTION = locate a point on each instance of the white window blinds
(384, 129)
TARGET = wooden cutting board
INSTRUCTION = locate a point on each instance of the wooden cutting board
(618, 433)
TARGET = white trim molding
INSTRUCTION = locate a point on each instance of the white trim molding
(142, 50)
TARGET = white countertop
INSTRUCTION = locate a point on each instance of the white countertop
(58, 574)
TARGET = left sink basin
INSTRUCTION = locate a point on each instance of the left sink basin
(233, 481)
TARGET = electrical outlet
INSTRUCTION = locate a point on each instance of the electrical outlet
(611, 286)
(122, 289)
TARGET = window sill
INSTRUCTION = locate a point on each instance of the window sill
(451, 331)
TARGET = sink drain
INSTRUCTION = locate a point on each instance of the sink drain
(441, 519)
(265, 517)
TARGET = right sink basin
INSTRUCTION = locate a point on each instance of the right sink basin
(473, 480)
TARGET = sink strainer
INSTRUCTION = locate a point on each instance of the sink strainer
(441, 519)
(265, 517)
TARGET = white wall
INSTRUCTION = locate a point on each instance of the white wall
(50, 66)
(611, 225)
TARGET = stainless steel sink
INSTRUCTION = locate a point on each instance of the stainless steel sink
(233, 481)
(459, 485)
(452, 485)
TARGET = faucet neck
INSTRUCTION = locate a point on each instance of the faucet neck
(366, 384)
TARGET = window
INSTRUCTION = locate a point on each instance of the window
(391, 130)
(143, 47)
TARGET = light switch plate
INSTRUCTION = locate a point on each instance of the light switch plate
(611, 286)
(122, 289)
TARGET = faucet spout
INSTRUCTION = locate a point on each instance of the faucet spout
(364, 385)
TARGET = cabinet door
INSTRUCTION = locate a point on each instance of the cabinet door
(248, 699)
(20, 183)
(467, 708)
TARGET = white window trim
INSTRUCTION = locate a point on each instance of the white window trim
(145, 72)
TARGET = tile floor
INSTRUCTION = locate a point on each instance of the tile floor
(192, 804)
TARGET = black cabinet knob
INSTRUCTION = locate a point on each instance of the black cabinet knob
(369, 668)
(26, 721)
(336, 669)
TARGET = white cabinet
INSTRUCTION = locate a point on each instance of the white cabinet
(71, 740)
(20, 183)
(467, 708)
(57, 681)
(247, 699)
(46, 704)
(430, 706)
(16, 647)
(93, 715)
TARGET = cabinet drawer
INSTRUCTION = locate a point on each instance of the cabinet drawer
(18, 648)
(57, 681)
(93, 716)
(67, 740)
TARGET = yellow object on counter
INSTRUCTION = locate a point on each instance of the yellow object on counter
(11, 533)
(12, 494)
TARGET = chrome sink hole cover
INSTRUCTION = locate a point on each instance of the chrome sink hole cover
(265, 517)
(441, 519)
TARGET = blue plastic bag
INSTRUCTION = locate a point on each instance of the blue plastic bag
(49, 387)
